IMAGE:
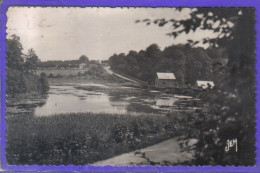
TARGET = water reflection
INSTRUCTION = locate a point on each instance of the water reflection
(112, 99)
(66, 99)
(166, 102)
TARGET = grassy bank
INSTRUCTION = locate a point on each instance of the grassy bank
(84, 138)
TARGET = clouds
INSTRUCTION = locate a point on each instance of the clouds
(67, 33)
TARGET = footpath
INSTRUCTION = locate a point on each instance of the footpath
(168, 152)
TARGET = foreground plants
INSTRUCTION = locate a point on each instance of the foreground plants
(84, 138)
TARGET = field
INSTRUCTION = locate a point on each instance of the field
(85, 138)
(95, 73)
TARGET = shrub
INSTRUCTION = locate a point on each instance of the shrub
(44, 82)
(19, 82)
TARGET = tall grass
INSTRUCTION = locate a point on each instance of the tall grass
(82, 138)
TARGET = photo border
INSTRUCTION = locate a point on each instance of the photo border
(129, 3)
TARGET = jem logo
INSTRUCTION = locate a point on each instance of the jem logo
(230, 144)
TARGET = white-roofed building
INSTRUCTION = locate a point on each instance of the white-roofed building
(205, 84)
(165, 80)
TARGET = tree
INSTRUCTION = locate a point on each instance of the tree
(235, 28)
(176, 60)
(83, 59)
(20, 78)
(31, 61)
(153, 51)
(198, 65)
(14, 53)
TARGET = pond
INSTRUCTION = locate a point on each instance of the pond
(104, 98)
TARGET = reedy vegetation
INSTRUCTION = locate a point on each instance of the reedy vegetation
(84, 138)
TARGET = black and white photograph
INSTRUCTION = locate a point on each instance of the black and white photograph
(130, 86)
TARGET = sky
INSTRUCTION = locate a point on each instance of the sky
(66, 33)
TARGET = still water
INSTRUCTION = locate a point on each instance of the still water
(110, 98)
(64, 99)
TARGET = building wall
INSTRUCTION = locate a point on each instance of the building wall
(163, 83)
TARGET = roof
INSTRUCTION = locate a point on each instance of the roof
(165, 75)
(204, 84)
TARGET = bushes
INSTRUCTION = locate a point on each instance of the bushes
(81, 138)
(19, 82)
(226, 121)
(44, 82)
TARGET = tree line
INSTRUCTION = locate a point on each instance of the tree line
(188, 64)
(67, 64)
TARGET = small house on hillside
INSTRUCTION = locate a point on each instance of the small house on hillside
(165, 80)
(205, 84)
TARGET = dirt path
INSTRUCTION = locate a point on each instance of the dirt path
(171, 151)
(123, 77)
